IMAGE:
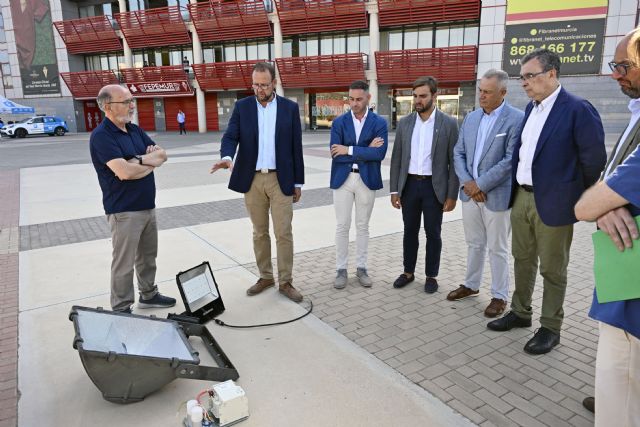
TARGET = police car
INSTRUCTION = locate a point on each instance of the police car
(36, 125)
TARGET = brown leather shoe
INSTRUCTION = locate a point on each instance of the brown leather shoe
(290, 292)
(260, 286)
(462, 292)
(495, 308)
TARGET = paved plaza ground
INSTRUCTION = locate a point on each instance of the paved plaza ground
(365, 357)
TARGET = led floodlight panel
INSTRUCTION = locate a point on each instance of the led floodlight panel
(199, 292)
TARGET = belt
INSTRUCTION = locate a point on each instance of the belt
(265, 170)
(527, 188)
(355, 170)
(419, 177)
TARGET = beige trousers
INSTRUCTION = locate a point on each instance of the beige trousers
(265, 195)
(617, 378)
(353, 191)
(134, 236)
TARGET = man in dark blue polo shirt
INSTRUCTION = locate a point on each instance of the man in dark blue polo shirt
(124, 158)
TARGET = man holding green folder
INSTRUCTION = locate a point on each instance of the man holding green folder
(614, 202)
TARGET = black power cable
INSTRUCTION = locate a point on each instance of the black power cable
(309, 310)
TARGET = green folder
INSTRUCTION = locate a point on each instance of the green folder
(617, 274)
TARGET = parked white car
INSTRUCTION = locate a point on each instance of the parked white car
(36, 125)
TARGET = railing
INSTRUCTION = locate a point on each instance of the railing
(401, 12)
(161, 26)
(448, 64)
(322, 71)
(240, 19)
(154, 74)
(224, 75)
(312, 16)
(87, 84)
(89, 35)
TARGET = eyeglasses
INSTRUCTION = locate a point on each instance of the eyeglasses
(262, 86)
(529, 76)
(125, 102)
(621, 69)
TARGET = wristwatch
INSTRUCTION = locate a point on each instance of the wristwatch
(139, 159)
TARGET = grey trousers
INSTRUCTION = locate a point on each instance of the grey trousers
(134, 236)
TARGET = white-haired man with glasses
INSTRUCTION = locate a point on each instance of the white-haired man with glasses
(559, 154)
(124, 158)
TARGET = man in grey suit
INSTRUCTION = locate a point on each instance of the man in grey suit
(423, 182)
(482, 159)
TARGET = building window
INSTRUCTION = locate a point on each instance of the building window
(471, 35)
(98, 10)
(428, 36)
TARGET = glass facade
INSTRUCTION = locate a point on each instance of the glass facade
(448, 101)
(429, 36)
(238, 51)
(321, 108)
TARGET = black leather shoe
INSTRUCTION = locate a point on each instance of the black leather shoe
(431, 285)
(589, 404)
(403, 281)
(542, 342)
(508, 322)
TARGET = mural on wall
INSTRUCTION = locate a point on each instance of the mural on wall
(35, 46)
(574, 29)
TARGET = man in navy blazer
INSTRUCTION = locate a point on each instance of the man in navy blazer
(269, 169)
(482, 159)
(358, 146)
(560, 154)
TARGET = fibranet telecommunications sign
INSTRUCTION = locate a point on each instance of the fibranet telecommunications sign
(574, 29)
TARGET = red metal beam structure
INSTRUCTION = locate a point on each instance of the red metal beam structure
(448, 64)
(87, 84)
(230, 20)
(147, 82)
(400, 12)
(162, 26)
(312, 16)
(89, 35)
(224, 75)
(322, 71)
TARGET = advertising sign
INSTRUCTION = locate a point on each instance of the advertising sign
(160, 89)
(35, 46)
(573, 29)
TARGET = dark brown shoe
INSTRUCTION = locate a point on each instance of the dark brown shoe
(495, 308)
(461, 293)
(260, 286)
(290, 292)
(589, 404)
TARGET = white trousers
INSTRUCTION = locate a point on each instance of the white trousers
(484, 229)
(353, 190)
(617, 378)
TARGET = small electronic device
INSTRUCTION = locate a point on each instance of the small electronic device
(229, 404)
(226, 405)
(200, 294)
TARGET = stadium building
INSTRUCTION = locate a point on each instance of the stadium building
(197, 56)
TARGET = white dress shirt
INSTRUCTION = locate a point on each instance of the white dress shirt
(634, 107)
(357, 125)
(486, 124)
(267, 134)
(530, 135)
(421, 142)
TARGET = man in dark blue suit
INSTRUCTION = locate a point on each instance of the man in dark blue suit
(269, 169)
(358, 146)
(559, 154)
